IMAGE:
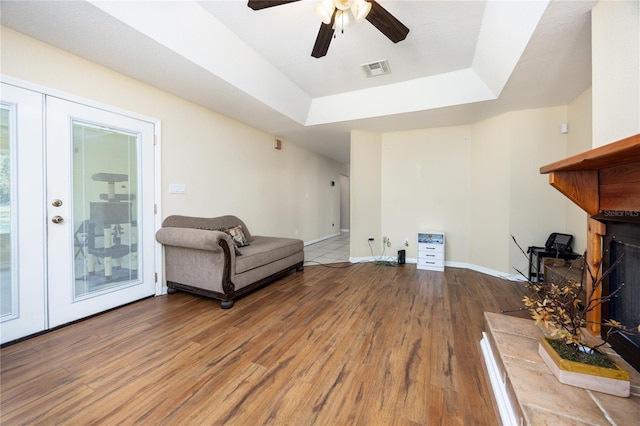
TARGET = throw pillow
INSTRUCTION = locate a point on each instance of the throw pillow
(237, 233)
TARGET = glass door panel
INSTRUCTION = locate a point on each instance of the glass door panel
(8, 281)
(22, 214)
(105, 213)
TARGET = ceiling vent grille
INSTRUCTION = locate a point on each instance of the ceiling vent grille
(377, 68)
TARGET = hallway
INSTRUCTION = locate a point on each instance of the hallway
(331, 250)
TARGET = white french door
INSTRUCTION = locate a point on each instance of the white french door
(100, 198)
(90, 221)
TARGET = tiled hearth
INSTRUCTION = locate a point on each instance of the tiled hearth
(532, 395)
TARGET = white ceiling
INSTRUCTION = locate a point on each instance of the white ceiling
(462, 61)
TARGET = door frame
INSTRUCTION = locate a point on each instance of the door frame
(157, 161)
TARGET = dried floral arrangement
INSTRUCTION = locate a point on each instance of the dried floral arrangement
(562, 307)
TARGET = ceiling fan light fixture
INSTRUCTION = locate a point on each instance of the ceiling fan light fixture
(343, 4)
(325, 10)
(360, 9)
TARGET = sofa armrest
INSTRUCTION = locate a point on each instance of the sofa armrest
(199, 239)
(198, 258)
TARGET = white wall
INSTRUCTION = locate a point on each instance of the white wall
(227, 167)
(615, 40)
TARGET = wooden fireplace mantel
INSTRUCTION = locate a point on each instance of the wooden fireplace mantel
(604, 182)
(602, 179)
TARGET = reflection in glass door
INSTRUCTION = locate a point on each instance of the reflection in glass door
(105, 213)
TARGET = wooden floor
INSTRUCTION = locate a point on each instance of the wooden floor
(365, 345)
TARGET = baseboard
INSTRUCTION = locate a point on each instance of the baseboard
(306, 243)
(378, 258)
(461, 265)
(345, 230)
(482, 269)
(515, 277)
(362, 259)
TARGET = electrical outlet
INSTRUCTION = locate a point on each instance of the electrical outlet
(406, 242)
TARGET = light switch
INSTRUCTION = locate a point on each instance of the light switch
(177, 188)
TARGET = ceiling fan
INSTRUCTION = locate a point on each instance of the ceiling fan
(388, 24)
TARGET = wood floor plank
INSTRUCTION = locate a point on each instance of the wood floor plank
(364, 345)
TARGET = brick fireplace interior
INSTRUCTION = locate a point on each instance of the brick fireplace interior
(605, 182)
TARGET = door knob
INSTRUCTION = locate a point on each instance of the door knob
(57, 219)
(56, 203)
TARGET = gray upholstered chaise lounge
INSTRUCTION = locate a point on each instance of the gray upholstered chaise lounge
(201, 259)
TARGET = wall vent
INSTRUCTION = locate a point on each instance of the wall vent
(374, 69)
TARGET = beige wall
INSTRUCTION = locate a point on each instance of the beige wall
(425, 187)
(365, 176)
(227, 167)
(479, 184)
(345, 202)
(579, 139)
(490, 194)
(615, 40)
(536, 209)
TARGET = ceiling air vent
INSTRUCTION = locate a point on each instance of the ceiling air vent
(377, 68)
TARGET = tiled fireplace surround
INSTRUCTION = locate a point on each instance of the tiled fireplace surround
(600, 181)
(526, 391)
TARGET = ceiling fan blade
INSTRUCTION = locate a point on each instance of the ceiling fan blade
(263, 4)
(323, 40)
(387, 23)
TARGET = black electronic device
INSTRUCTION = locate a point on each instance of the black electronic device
(559, 242)
(557, 246)
(402, 257)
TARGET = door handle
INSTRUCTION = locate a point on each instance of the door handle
(57, 219)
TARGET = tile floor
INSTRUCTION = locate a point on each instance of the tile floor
(331, 250)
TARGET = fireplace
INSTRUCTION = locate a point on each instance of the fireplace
(605, 182)
(622, 241)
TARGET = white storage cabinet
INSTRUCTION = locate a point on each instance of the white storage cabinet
(431, 251)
